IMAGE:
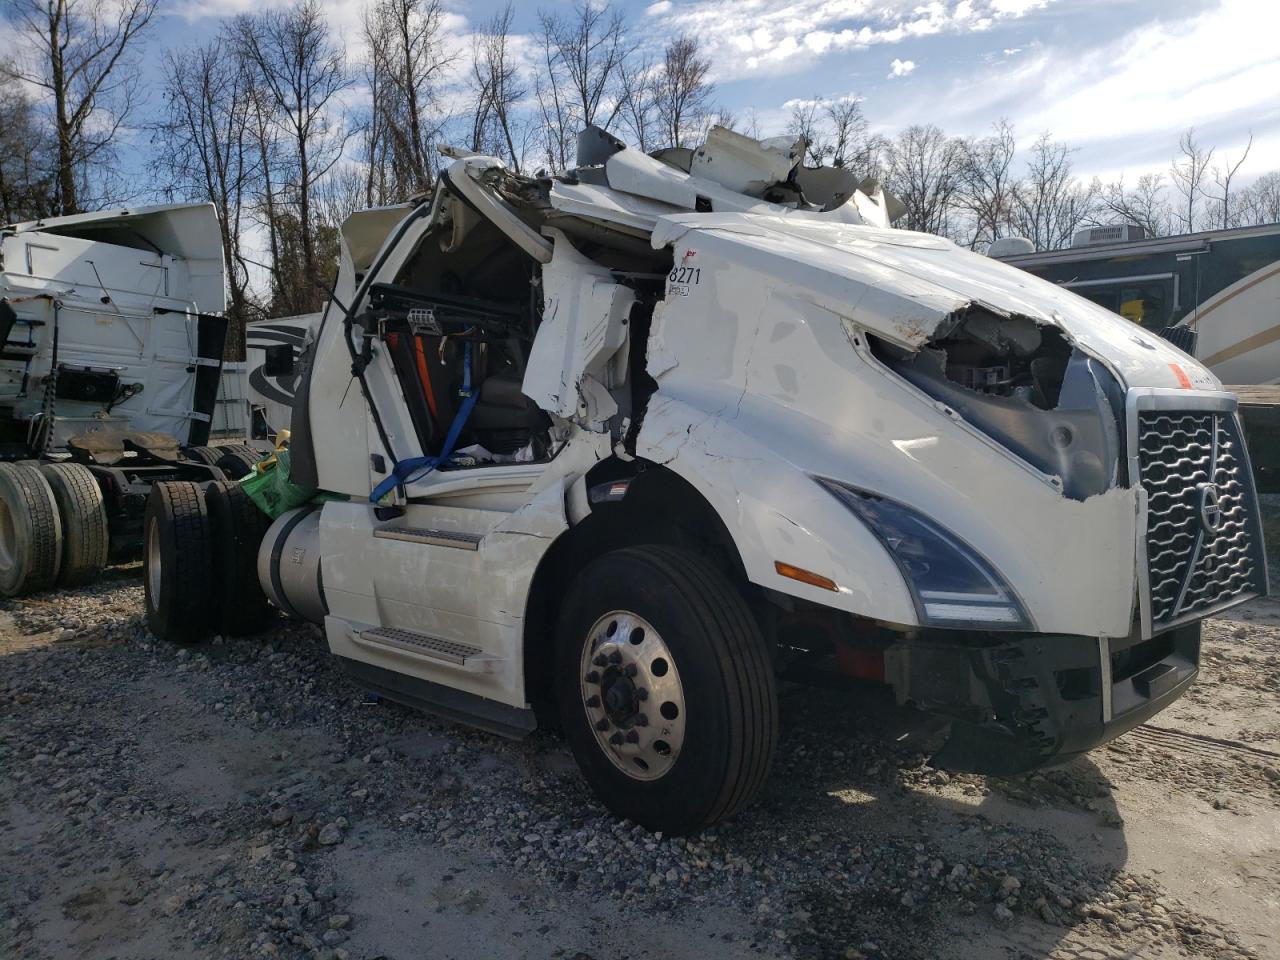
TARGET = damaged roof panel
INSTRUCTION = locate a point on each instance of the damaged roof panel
(869, 274)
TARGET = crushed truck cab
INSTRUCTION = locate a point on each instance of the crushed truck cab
(634, 441)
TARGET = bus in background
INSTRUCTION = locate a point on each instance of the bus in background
(1214, 294)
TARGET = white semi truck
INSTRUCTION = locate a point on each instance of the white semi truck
(631, 442)
(111, 341)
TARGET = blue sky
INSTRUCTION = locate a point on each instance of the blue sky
(1118, 79)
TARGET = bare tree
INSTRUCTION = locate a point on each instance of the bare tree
(207, 152)
(639, 115)
(81, 53)
(1145, 205)
(852, 143)
(1222, 176)
(498, 89)
(1188, 174)
(987, 192)
(924, 169)
(27, 157)
(264, 190)
(300, 73)
(807, 120)
(409, 64)
(722, 117)
(375, 144)
(339, 195)
(681, 92)
(1050, 204)
(1260, 201)
(580, 81)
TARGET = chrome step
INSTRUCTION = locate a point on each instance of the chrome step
(448, 651)
(439, 538)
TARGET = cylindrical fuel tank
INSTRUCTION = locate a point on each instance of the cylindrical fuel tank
(289, 564)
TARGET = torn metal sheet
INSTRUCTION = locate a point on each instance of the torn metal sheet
(584, 325)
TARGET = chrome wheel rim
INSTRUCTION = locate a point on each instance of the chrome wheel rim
(153, 561)
(632, 695)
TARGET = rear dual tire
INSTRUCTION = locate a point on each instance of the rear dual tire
(237, 527)
(86, 538)
(205, 455)
(177, 562)
(30, 531)
(53, 527)
(237, 461)
(200, 563)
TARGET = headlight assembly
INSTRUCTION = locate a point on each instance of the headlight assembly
(952, 585)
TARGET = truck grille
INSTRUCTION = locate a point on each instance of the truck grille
(1204, 545)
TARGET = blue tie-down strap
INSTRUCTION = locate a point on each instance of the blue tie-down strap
(415, 468)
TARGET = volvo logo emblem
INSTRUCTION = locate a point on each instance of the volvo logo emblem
(1210, 508)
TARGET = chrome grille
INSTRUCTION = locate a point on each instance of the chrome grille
(1204, 545)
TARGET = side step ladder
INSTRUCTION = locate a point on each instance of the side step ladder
(462, 655)
(438, 538)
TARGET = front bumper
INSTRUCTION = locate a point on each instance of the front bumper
(1038, 700)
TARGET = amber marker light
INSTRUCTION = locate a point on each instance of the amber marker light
(804, 576)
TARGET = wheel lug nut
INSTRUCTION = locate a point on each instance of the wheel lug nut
(593, 677)
(602, 724)
(615, 657)
(642, 694)
(616, 739)
(633, 737)
(642, 719)
(629, 670)
(593, 701)
(600, 660)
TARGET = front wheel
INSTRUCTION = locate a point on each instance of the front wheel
(665, 688)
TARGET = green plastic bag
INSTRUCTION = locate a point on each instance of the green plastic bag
(271, 489)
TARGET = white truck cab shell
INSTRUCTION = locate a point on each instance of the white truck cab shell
(127, 291)
(786, 366)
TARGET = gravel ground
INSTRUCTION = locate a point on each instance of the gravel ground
(243, 799)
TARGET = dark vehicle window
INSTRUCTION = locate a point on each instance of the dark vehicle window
(1146, 304)
(1103, 298)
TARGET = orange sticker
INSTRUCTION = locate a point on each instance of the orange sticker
(1183, 380)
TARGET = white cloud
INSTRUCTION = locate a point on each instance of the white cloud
(1015, 8)
(657, 9)
(1124, 101)
(900, 68)
(746, 38)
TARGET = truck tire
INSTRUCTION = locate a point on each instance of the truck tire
(85, 535)
(237, 527)
(236, 461)
(177, 562)
(665, 688)
(30, 532)
(206, 455)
